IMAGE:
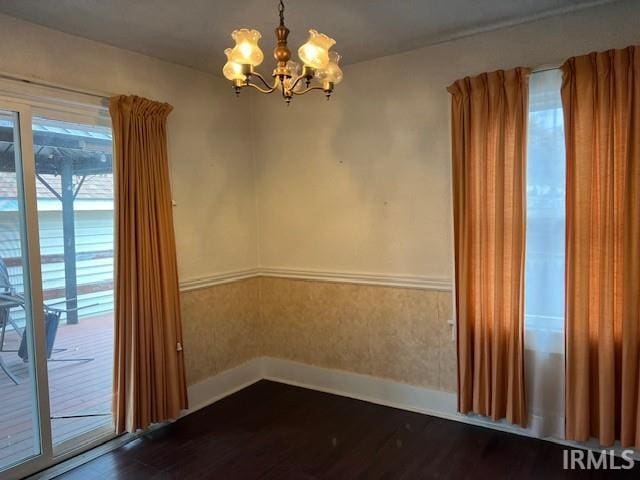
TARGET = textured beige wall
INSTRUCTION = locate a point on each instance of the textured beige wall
(396, 333)
(221, 328)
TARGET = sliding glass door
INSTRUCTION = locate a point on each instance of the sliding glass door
(56, 285)
(74, 186)
(23, 393)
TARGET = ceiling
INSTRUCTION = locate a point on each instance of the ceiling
(195, 32)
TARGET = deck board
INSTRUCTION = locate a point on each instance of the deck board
(75, 388)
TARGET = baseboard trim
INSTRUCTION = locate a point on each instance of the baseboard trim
(370, 389)
(216, 387)
(380, 391)
(362, 387)
(374, 279)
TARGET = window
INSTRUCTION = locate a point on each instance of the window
(545, 205)
(545, 257)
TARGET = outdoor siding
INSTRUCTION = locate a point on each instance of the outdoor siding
(94, 234)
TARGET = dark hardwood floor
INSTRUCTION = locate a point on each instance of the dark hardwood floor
(275, 431)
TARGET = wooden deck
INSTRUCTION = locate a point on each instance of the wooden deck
(75, 388)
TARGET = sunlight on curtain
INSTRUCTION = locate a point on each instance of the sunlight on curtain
(544, 271)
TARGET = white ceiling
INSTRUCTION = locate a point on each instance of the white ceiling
(195, 32)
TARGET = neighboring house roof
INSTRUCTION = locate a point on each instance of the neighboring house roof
(90, 150)
(56, 144)
(94, 187)
(75, 130)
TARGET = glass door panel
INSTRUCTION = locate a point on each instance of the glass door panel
(20, 436)
(74, 188)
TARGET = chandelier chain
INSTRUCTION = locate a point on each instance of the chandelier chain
(281, 12)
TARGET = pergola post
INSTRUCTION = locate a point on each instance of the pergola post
(69, 235)
(66, 154)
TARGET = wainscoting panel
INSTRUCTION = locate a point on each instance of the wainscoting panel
(398, 333)
(402, 334)
(221, 327)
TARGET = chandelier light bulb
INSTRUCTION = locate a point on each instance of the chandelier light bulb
(315, 53)
(232, 70)
(332, 72)
(246, 50)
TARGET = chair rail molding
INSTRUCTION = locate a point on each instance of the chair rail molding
(217, 279)
(358, 278)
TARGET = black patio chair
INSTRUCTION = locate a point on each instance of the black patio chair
(6, 290)
(52, 315)
(5, 317)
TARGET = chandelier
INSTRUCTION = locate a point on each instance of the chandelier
(319, 70)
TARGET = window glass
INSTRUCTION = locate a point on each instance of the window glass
(544, 282)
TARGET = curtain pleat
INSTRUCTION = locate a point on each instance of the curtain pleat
(601, 100)
(149, 376)
(489, 127)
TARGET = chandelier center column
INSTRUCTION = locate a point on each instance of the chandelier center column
(281, 53)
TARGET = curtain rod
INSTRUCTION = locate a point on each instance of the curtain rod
(546, 68)
(57, 86)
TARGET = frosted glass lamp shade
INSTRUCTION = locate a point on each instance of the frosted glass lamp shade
(294, 68)
(332, 72)
(315, 53)
(232, 70)
(246, 50)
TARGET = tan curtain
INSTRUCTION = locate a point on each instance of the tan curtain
(149, 379)
(601, 100)
(489, 127)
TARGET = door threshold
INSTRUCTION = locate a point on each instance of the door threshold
(92, 452)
